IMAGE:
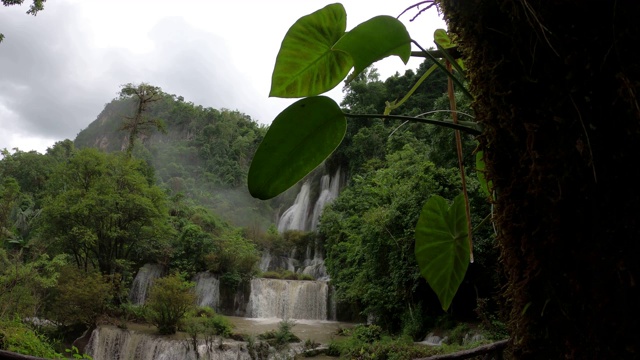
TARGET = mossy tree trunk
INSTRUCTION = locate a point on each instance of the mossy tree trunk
(556, 85)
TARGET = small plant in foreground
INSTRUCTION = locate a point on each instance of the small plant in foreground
(170, 299)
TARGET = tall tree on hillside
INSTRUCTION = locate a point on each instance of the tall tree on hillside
(139, 124)
(556, 86)
(102, 211)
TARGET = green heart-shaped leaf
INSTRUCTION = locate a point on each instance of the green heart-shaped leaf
(442, 246)
(298, 140)
(306, 65)
(375, 39)
(443, 42)
(441, 38)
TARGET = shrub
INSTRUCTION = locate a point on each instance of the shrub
(282, 336)
(18, 337)
(456, 336)
(134, 313)
(202, 311)
(367, 333)
(305, 277)
(271, 275)
(207, 328)
(236, 255)
(415, 323)
(204, 321)
(384, 349)
(286, 275)
(220, 325)
(79, 297)
(290, 275)
(258, 350)
(170, 299)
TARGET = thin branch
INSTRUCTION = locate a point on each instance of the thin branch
(484, 221)
(431, 3)
(399, 126)
(468, 127)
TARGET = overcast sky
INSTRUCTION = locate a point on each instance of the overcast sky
(59, 68)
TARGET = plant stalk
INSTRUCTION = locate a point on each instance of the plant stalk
(454, 115)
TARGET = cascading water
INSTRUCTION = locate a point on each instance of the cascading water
(313, 265)
(288, 299)
(329, 191)
(207, 290)
(305, 215)
(301, 215)
(143, 282)
(268, 262)
(295, 217)
(111, 343)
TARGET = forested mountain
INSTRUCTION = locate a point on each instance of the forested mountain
(156, 179)
(202, 153)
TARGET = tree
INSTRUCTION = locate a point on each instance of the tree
(79, 297)
(556, 86)
(139, 124)
(169, 301)
(235, 257)
(102, 210)
(370, 239)
(23, 284)
(9, 195)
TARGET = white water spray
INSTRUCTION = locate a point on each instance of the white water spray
(288, 299)
(143, 282)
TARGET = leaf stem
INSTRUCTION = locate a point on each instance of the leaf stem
(468, 127)
(481, 223)
(444, 68)
(454, 114)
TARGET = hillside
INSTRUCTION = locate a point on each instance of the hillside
(204, 154)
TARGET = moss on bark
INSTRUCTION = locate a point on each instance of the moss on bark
(556, 86)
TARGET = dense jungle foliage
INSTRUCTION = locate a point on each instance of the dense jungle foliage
(369, 230)
(79, 221)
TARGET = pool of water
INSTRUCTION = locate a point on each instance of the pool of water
(320, 331)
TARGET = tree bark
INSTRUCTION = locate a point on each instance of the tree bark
(556, 86)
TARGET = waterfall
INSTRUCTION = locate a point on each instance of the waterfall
(295, 217)
(268, 262)
(143, 282)
(329, 191)
(111, 343)
(288, 299)
(316, 269)
(314, 266)
(333, 304)
(207, 290)
(303, 215)
(265, 261)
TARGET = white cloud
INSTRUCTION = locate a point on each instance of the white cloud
(61, 67)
